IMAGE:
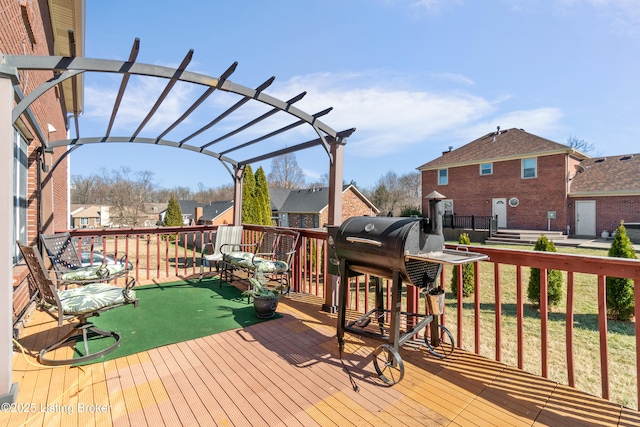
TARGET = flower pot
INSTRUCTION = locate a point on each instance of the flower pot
(265, 306)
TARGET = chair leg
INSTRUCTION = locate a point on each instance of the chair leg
(81, 331)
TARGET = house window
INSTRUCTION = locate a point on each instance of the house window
(302, 221)
(316, 221)
(486, 169)
(84, 222)
(529, 168)
(19, 193)
(443, 176)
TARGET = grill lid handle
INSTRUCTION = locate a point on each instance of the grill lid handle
(352, 239)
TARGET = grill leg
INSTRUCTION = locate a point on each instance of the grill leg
(343, 290)
(394, 333)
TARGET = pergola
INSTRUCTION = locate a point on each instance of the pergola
(67, 72)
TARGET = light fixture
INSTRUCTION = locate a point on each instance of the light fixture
(50, 127)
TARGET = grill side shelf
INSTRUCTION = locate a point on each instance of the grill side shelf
(448, 256)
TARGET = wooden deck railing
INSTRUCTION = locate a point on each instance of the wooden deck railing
(155, 255)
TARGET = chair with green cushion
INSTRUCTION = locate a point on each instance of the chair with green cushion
(228, 235)
(68, 265)
(78, 303)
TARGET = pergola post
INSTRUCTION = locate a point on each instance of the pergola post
(334, 217)
(8, 391)
(238, 176)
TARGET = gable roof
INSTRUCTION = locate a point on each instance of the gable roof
(311, 200)
(188, 207)
(86, 211)
(215, 209)
(613, 175)
(501, 145)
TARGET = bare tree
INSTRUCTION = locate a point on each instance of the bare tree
(128, 194)
(392, 194)
(580, 144)
(285, 172)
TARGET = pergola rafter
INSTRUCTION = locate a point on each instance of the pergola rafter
(65, 68)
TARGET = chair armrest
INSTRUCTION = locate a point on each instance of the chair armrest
(225, 248)
(208, 247)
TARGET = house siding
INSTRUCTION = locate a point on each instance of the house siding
(472, 193)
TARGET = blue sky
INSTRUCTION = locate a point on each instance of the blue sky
(414, 77)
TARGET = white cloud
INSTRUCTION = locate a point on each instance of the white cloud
(387, 119)
(456, 78)
(388, 116)
(139, 98)
(540, 121)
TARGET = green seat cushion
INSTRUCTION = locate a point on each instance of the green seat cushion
(93, 297)
(94, 272)
(268, 266)
(247, 261)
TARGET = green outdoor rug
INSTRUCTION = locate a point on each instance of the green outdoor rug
(172, 312)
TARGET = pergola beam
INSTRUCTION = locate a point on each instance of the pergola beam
(172, 82)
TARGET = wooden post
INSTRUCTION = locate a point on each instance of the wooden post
(334, 218)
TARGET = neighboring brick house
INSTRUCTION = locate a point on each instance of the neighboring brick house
(524, 179)
(39, 27)
(308, 208)
(197, 213)
(215, 213)
(89, 216)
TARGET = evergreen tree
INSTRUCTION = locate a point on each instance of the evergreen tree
(620, 304)
(262, 197)
(173, 217)
(249, 212)
(468, 274)
(554, 277)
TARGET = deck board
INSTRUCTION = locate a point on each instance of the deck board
(289, 372)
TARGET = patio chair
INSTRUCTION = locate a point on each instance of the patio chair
(68, 265)
(228, 235)
(79, 303)
(270, 259)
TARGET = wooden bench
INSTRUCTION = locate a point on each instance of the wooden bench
(269, 259)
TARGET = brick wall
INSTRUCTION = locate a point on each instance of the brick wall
(472, 194)
(610, 211)
(352, 205)
(15, 40)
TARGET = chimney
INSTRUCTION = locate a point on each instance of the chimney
(198, 214)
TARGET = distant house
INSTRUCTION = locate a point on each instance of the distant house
(152, 213)
(215, 213)
(530, 182)
(197, 213)
(89, 216)
(308, 208)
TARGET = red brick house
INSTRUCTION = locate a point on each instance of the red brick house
(533, 183)
(38, 28)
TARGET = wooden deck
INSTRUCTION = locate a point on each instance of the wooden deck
(288, 372)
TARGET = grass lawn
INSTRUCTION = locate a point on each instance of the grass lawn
(621, 336)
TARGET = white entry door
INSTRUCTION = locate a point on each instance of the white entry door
(500, 209)
(585, 218)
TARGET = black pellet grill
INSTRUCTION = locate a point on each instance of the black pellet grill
(409, 250)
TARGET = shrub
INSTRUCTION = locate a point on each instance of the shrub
(620, 304)
(409, 211)
(468, 284)
(554, 277)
